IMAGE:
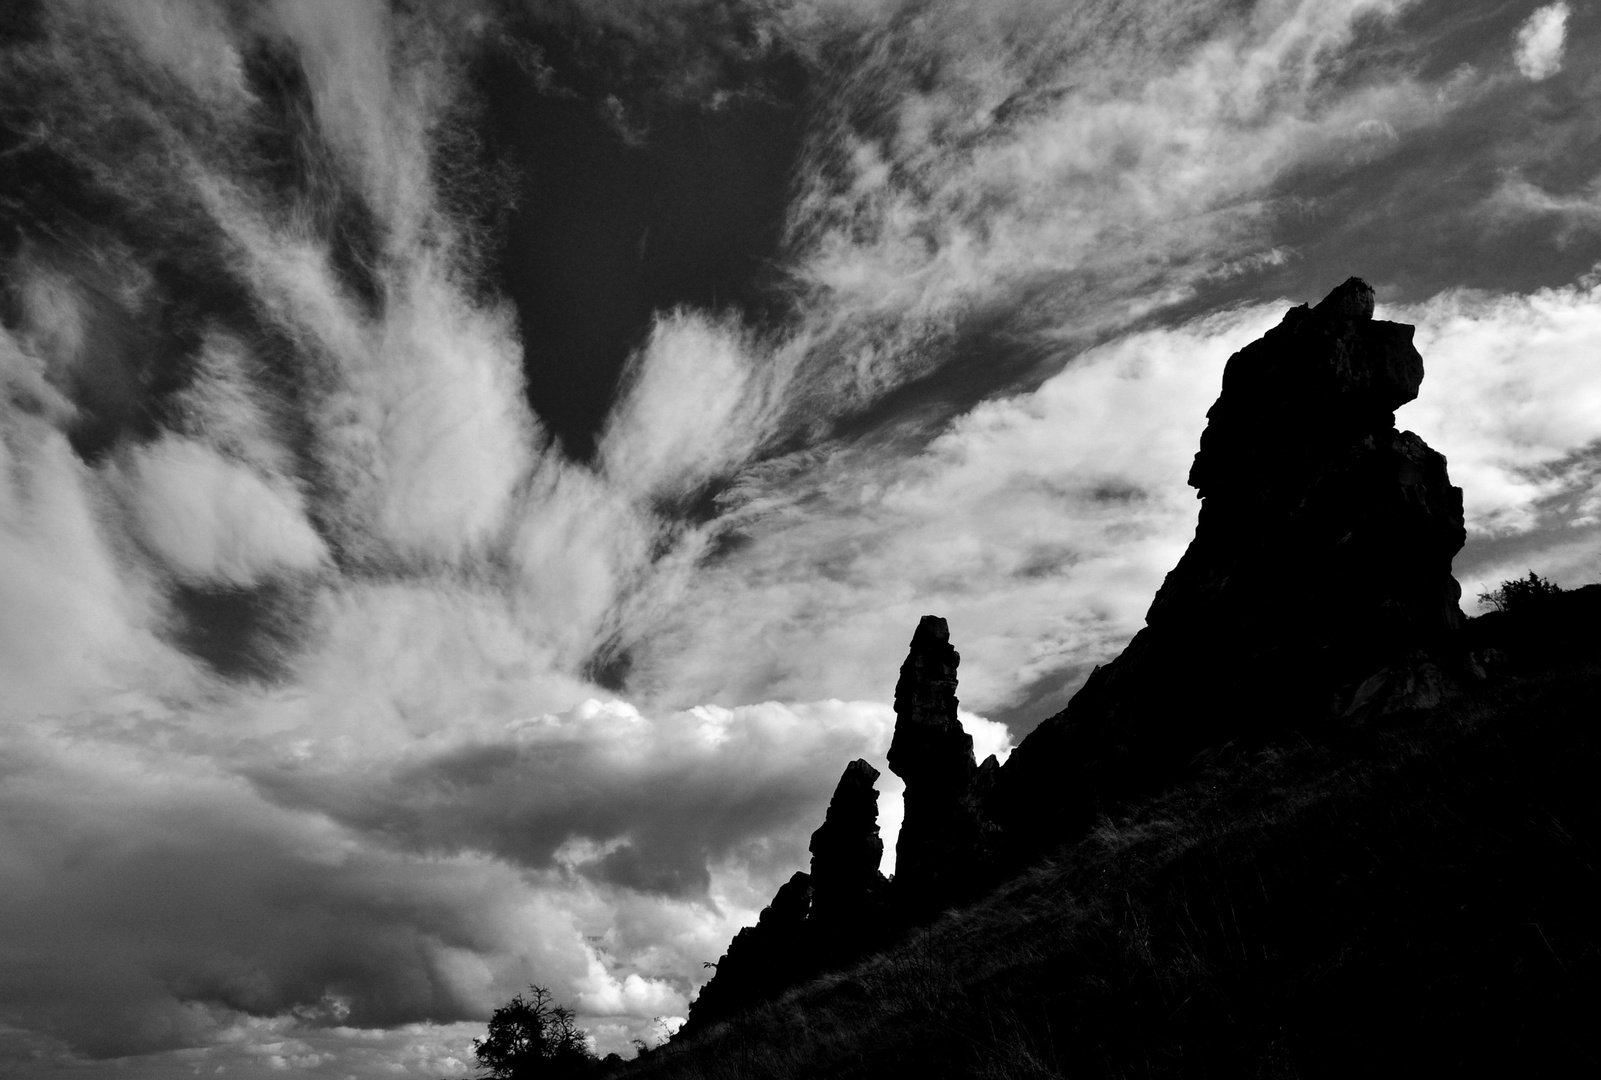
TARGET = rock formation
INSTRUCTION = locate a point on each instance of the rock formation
(849, 895)
(1321, 560)
(763, 960)
(1317, 589)
(830, 917)
(941, 848)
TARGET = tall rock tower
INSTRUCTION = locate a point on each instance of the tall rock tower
(942, 847)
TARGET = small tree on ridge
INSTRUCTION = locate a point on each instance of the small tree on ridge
(532, 1038)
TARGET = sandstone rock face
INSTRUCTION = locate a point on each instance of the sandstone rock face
(848, 892)
(1322, 556)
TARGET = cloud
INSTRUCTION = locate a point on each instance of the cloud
(989, 736)
(1039, 525)
(1509, 397)
(188, 38)
(211, 520)
(1512, 398)
(697, 401)
(1579, 211)
(369, 890)
(77, 621)
(1079, 175)
(1540, 40)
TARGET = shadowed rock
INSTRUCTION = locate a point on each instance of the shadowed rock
(830, 917)
(848, 892)
(762, 960)
(1318, 581)
(942, 845)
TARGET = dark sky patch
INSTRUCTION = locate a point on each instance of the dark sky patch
(684, 205)
(985, 355)
(653, 869)
(1041, 699)
(1117, 492)
(1417, 214)
(242, 632)
(609, 666)
(1046, 560)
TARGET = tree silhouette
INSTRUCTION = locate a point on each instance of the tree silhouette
(532, 1038)
(1519, 593)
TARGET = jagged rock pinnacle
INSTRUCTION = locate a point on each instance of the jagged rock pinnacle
(929, 747)
(847, 889)
(939, 843)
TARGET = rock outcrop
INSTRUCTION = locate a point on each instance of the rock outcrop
(1317, 590)
(941, 851)
(849, 895)
(1321, 559)
(817, 921)
(763, 960)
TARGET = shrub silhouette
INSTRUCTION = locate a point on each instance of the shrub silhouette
(1519, 594)
(532, 1038)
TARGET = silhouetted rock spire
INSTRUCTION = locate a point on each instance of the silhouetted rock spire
(848, 892)
(846, 849)
(941, 843)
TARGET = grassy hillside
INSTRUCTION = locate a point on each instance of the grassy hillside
(1412, 896)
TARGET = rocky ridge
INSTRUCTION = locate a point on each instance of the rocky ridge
(1317, 591)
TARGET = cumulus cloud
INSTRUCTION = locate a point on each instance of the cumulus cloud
(320, 880)
(1540, 40)
(989, 736)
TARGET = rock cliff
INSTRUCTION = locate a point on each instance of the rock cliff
(1321, 565)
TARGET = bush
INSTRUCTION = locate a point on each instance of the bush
(533, 1039)
(1519, 593)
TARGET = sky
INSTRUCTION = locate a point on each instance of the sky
(470, 471)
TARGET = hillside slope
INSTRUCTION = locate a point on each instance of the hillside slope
(1309, 822)
(1415, 895)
